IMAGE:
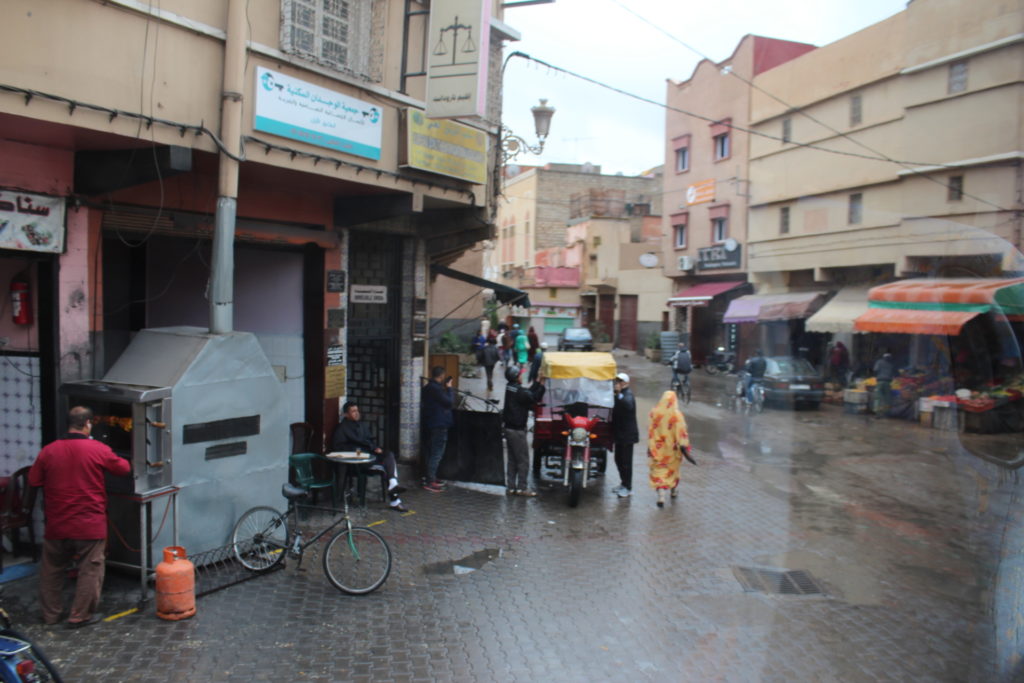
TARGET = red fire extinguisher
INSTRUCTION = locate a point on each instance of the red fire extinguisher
(21, 300)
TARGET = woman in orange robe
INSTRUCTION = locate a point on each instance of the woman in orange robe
(667, 438)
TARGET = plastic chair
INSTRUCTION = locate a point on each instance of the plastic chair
(302, 463)
(15, 513)
(361, 473)
(302, 438)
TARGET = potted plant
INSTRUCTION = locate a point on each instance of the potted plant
(602, 342)
(652, 349)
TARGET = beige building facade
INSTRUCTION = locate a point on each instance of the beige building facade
(139, 122)
(707, 187)
(536, 249)
(925, 112)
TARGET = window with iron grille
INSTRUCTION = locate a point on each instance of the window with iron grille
(787, 130)
(784, 220)
(339, 34)
(957, 77)
(855, 110)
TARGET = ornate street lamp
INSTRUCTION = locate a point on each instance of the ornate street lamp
(512, 145)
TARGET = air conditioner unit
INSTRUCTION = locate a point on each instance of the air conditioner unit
(685, 263)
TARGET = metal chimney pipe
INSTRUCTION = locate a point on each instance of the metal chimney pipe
(222, 269)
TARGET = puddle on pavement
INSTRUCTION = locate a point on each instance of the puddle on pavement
(466, 565)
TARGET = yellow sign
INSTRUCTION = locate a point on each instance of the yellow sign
(446, 147)
(704, 191)
(334, 381)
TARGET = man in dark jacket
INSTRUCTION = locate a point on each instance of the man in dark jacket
(437, 401)
(489, 357)
(755, 367)
(519, 401)
(71, 473)
(625, 431)
(353, 434)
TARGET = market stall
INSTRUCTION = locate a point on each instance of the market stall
(965, 368)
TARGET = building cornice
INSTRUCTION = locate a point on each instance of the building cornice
(989, 160)
(963, 54)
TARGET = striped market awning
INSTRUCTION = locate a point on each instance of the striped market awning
(939, 306)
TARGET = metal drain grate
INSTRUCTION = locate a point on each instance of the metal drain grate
(777, 581)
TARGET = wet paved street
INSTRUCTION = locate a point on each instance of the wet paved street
(915, 545)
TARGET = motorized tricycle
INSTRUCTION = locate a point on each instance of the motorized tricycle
(21, 661)
(572, 428)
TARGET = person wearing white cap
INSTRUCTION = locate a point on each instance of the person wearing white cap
(625, 432)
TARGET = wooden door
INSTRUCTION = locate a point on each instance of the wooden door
(627, 322)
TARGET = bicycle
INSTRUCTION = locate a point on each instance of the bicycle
(356, 560)
(682, 389)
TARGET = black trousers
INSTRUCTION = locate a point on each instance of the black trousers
(624, 461)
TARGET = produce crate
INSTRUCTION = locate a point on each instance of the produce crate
(853, 396)
(855, 408)
(944, 417)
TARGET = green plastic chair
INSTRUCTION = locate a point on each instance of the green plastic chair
(302, 463)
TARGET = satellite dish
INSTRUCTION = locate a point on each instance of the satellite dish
(649, 260)
(512, 170)
(731, 244)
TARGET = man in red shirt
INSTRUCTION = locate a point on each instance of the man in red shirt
(70, 472)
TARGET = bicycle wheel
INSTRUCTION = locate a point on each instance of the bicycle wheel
(357, 562)
(684, 393)
(260, 538)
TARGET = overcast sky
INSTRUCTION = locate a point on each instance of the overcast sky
(602, 40)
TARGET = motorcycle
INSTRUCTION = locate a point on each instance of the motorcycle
(572, 429)
(576, 463)
(720, 362)
(20, 660)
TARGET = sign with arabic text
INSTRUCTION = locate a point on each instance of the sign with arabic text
(368, 294)
(31, 222)
(298, 110)
(459, 50)
(445, 147)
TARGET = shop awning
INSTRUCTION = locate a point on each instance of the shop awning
(939, 306)
(772, 307)
(503, 293)
(743, 309)
(702, 294)
(839, 313)
(910, 321)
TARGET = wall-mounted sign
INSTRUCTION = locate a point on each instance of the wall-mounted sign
(31, 222)
(459, 44)
(302, 111)
(335, 280)
(727, 255)
(445, 147)
(368, 294)
(701, 192)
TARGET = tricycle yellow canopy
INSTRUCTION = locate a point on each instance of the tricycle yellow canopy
(567, 365)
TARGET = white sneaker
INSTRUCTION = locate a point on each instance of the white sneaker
(624, 492)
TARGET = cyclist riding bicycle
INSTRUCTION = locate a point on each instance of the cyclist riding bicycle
(754, 370)
(682, 364)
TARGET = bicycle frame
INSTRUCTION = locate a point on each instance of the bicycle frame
(291, 517)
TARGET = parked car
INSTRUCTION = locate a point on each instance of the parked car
(575, 339)
(793, 381)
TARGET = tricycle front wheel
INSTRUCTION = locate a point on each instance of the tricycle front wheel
(575, 487)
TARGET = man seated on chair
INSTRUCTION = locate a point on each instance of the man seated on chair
(352, 434)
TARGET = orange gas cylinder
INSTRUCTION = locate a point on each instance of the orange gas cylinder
(175, 585)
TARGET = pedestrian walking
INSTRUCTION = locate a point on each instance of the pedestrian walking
(479, 340)
(885, 372)
(489, 358)
(519, 400)
(437, 401)
(625, 433)
(538, 359)
(522, 348)
(71, 471)
(668, 442)
(531, 336)
(838, 363)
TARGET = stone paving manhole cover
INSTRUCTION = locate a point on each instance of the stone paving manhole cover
(777, 581)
